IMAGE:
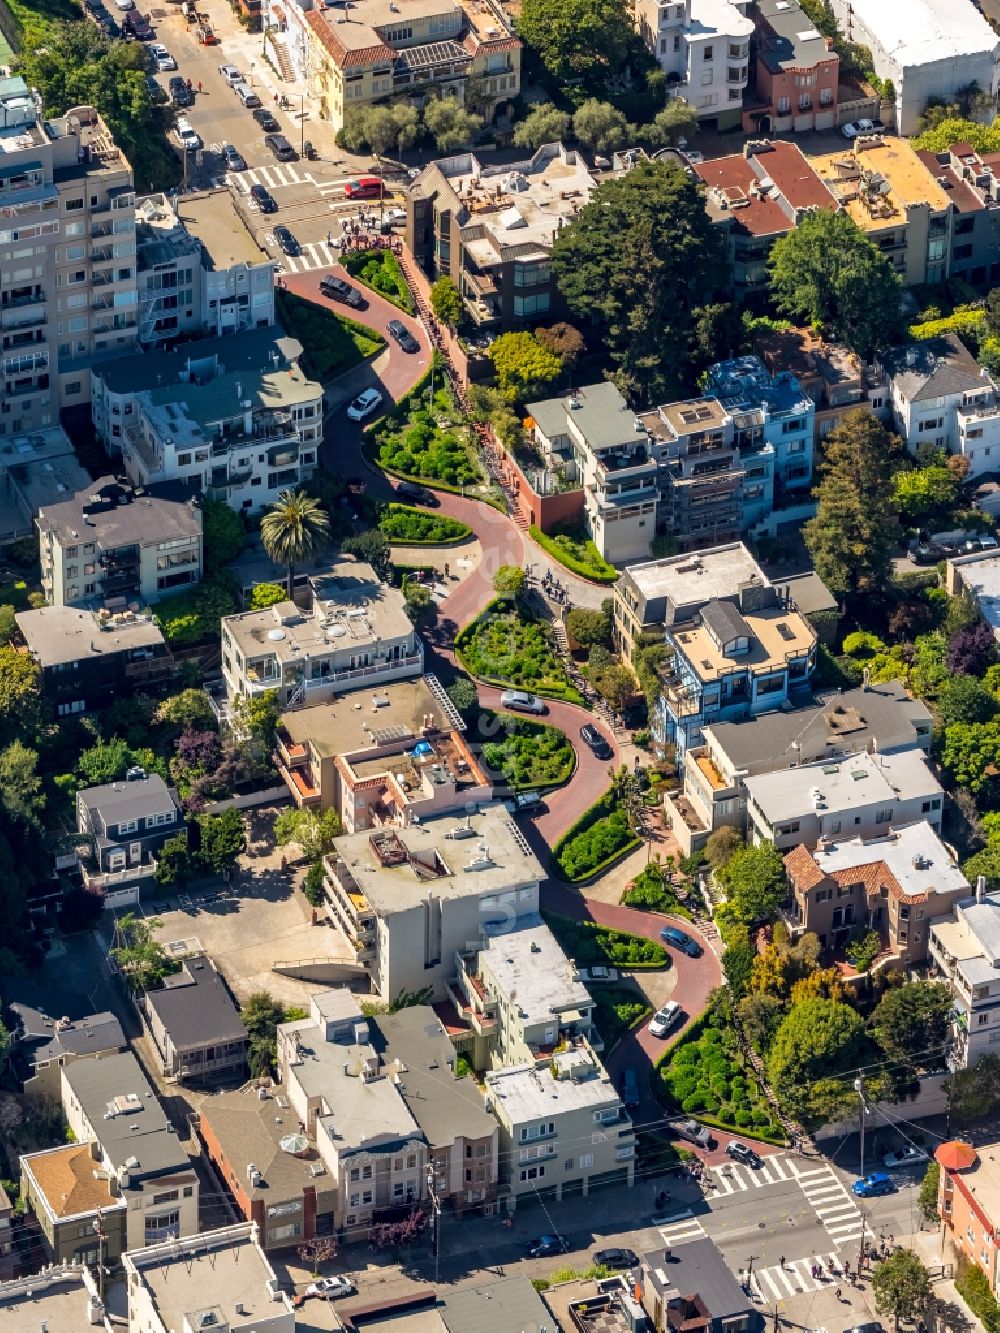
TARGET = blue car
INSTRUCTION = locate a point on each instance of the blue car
(877, 1183)
(671, 935)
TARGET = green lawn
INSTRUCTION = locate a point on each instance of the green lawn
(416, 527)
(590, 945)
(379, 269)
(576, 552)
(330, 343)
(506, 646)
(531, 753)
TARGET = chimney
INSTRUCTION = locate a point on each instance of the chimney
(980, 887)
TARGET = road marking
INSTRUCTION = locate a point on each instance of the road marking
(831, 1203)
(678, 1232)
(731, 1177)
(777, 1283)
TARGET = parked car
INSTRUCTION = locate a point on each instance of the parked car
(156, 91)
(365, 187)
(402, 335)
(598, 975)
(235, 161)
(231, 75)
(331, 1287)
(138, 26)
(519, 701)
(189, 137)
(853, 128)
(364, 405)
(927, 553)
(695, 1133)
(871, 1327)
(180, 93)
(280, 147)
(664, 1019)
(742, 1152)
(339, 290)
(525, 801)
(289, 245)
(544, 1246)
(593, 739)
(679, 939)
(630, 1088)
(246, 95)
(161, 58)
(263, 199)
(265, 120)
(616, 1258)
(871, 1186)
(418, 495)
(911, 1155)
(125, 4)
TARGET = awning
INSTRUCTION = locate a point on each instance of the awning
(571, 1016)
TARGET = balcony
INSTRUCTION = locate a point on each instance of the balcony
(103, 880)
(292, 753)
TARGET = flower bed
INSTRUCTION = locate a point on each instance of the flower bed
(575, 552)
(416, 527)
(505, 646)
(380, 270)
(532, 754)
(427, 442)
(331, 344)
(599, 837)
(591, 945)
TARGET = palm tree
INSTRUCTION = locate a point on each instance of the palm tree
(293, 530)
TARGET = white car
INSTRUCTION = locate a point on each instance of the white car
(231, 75)
(364, 405)
(600, 975)
(908, 1156)
(187, 134)
(855, 127)
(331, 1287)
(162, 58)
(664, 1019)
(125, 4)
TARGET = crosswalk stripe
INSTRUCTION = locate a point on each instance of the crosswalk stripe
(833, 1211)
(772, 1284)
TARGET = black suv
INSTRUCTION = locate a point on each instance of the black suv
(263, 199)
(398, 330)
(287, 241)
(592, 738)
(266, 120)
(339, 290)
(180, 93)
(414, 494)
(280, 147)
(616, 1259)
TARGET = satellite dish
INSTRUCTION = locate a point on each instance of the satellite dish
(275, 635)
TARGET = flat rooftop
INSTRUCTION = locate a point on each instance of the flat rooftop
(914, 855)
(440, 855)
(982, 579)
(55, 1299)
(112, 514)
(878, 179)
(927, 32)
(432, 762)
(533, 972)
(212, 219)
(973, 939)
(249, 1130)
(795, 43)
(777, 635)
(358, 723)
(846, 784)
(689, 581)
(245, 352)
(174, 409)
(762, 191)
(511, 1305)
(56, 634)
(527, 1092)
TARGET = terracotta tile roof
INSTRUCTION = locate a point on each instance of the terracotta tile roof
(66, 1179)
(473, 44)
(802, 867)
(796, 186)
(331, 43)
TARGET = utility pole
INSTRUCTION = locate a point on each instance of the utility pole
(435, 1219)
(750, 1273)
(859, 1088)
(101, 1238)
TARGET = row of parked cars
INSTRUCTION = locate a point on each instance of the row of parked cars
(929, 553)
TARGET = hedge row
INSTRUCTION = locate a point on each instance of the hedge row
(595, 570)
(603, 808)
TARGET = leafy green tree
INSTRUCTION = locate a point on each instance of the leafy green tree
(983, 138)
(761, 1016)
(523, 366)
(142, 959)
(816, 1039)
(737, 963)
(911, 1022)
(450, 125)
(173, 863)
(411, 999)
(722, 846)
(971, 753)
(588, 627)
(223, 533)
(901, 1286)
(674, 122)
(21, 795)
(407, 119)
(463, 694)
(267, 594)
(637, 261)
(508, 581)
(381, 130)
(928, 1196)
(563, 341)
(8, 624)
(826, 271)
(313, 830)
(256, 718)
(579, 40)
(294, 530)
(261, 1015)
(446, 302)
(853, 534)
(601, 126)
(965, 699)
(223, 840)
(105, 761)
(191, 708)
(754, 881)
(543, 124)
(419, 603)
(20, 694)
(373, 549)
(921, 491)
(975, 1093)
(312, 885)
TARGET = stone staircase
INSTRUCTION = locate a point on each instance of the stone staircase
(284, 60)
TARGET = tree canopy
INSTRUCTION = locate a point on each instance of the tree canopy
(911, 1022)
(141, 958)
(901, 1286)
(544, 123)
(524, 367)
(826, 271)
(638, 261)
(754, 880)
(294, 530)
(816, 1040)
(313, 830)
(579, 40)
(223, 840)
(446, 301)
(853, 534)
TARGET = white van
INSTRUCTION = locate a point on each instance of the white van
(187, 134)
(246, 95)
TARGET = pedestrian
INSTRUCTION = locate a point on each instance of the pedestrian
(781, 1261)
(199, 85)
(839, 1296)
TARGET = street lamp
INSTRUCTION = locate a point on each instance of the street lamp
(302, 124)
(251, 73)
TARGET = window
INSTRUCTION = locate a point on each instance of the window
(708, 53)
(532, 1173)
(130, 827)
(170, 1196)
(882, 816)
(73, 205)
(586, 1159)
(532, 305)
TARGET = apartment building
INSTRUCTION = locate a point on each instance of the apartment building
(490, 229)
(942, 399)
(355, 634)
(216, 1280)
(107, 544)
(703, 47)
(562, 1126)
(797, 69)
(411, 50)
(977, 577)
(885, 189)
(925, 48)
(969, 1204)
(67, 260)
(36, 469)
(830, 374)
(410, 899)
(965, 948)
(126, 823)
(71, 1197)
(200, 272)
(108, 1101)
(90, 658)
(896, 885)
(398, 758)
(862, 795)
(66, 1298)
(879, 719)
(973, 187)
(757, 196)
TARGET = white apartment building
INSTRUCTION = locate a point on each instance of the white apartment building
(562, 1125)
(927, 48)
(355, 634)
(704, 48)
(966, 948)
(67, 256)
(199, 271)
(410, 899)
(861, 796)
